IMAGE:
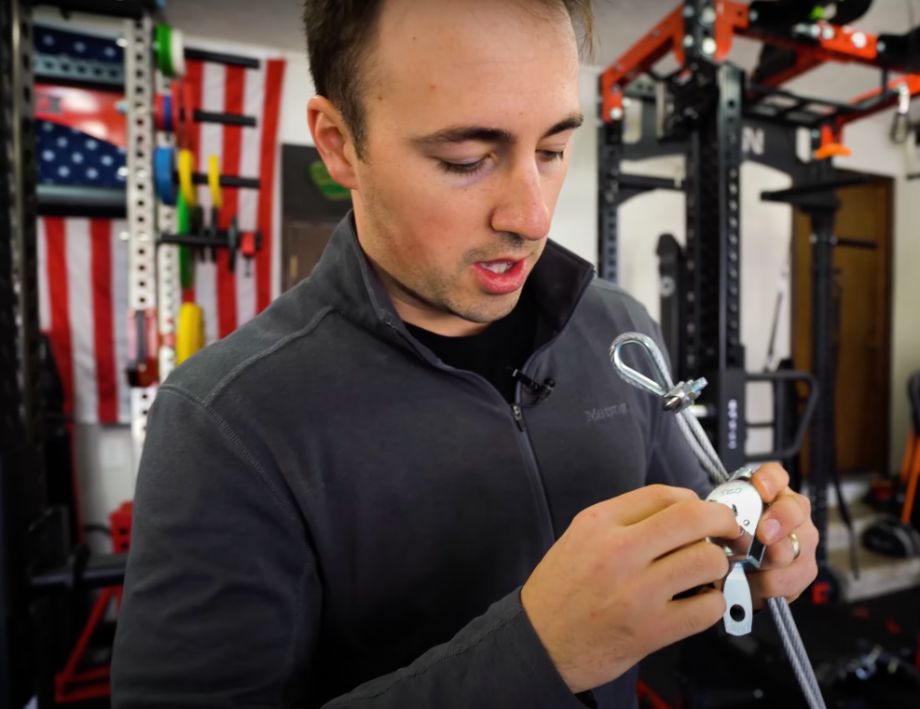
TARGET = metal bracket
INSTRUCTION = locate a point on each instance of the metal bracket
(142, 297)
(739, 609)
(85, 71)
(168, 294)
(743, 551)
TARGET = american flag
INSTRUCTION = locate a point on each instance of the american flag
(67, 156)
(83, 263)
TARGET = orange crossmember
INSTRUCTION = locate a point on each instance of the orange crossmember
(666, 36)
(834, 44)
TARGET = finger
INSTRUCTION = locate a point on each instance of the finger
(694, 565)
(788, 582)
(637, 505)
(770, 480)
(684, 617)
(682, 524)
(780, 554)
(788, 512)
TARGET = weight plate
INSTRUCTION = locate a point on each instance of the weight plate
(168, 114)
(186, 170)
(183, 220)
(164, 49)
(177, 52)
(176, 105)
(159, 120)
(190, 331)
(188, 116)
(217, 195)
(164, 166)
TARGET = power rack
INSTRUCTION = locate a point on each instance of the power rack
(713, 113)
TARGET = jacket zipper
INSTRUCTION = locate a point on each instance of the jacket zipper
(518, 413)
(518, 416)
(533, 468)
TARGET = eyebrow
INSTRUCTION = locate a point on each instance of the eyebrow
(483, 134)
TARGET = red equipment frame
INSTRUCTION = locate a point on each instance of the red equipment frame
(832, 44)
(73, 684)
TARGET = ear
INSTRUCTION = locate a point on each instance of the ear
(333, 140)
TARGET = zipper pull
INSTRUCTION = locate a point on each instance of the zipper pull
(518, 416)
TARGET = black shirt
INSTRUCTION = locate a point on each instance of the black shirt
(495, 352)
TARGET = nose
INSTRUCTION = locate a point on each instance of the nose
(522, 208)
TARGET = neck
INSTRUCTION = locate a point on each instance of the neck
(412, 310)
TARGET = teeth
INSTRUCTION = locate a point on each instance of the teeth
(498, 267)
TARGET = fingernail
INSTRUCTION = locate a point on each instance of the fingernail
(766, 487)
(770, 529)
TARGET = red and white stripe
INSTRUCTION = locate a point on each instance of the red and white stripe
(82, 308)
(83, 264)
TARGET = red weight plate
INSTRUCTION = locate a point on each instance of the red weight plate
(188, 112)
(159, 120)
(176, 114)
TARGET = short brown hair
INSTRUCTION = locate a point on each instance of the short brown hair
(339, 32)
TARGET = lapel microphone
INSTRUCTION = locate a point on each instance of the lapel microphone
(542, 391)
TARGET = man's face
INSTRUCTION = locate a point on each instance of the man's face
(470, 107)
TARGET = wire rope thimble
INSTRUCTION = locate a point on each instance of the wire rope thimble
(661, 384)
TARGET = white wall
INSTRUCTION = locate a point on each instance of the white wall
(298, 88)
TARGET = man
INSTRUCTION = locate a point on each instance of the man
(415, 481)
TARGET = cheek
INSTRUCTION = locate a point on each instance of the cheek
(439, 223)
(554, 186)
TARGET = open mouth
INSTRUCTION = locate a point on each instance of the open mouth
(498, 266)
(501, 276)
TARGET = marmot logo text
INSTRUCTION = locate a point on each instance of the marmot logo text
(595, 415)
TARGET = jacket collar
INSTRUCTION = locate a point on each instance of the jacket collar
(345, 279)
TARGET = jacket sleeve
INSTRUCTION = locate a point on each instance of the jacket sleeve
(222, 602)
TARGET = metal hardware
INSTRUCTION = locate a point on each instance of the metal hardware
(736, 588)
(744, 551)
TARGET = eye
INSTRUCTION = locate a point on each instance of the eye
(552, 155)
(462, 168)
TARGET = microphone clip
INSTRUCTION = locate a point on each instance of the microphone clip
(541, 390)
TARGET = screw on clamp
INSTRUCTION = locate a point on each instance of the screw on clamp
(683, 394)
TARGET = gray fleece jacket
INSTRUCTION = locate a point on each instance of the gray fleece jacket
(328, 516)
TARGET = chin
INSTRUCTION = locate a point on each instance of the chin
(496, 308)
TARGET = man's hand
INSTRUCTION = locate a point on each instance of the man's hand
(603, 596)
(780, 574)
